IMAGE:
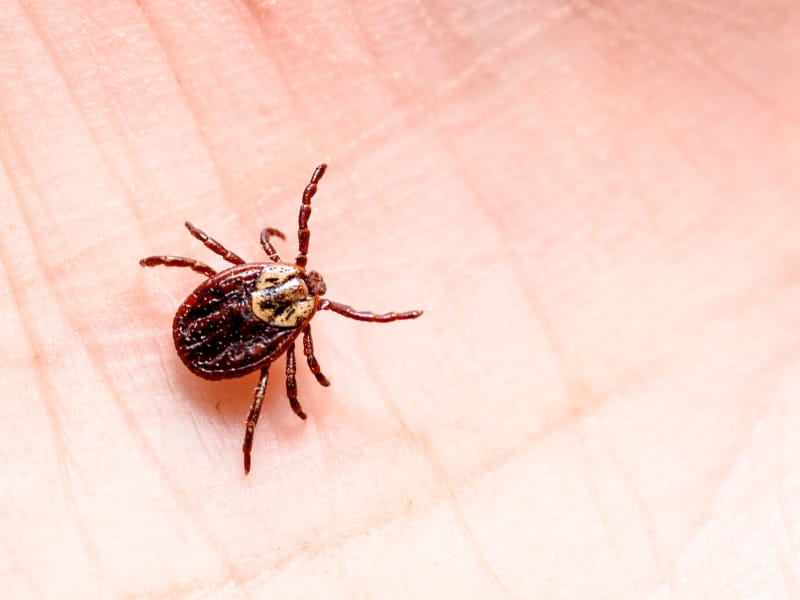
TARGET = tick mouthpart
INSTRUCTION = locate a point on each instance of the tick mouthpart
(316, 285)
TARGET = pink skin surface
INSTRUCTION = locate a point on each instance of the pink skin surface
(596, 204)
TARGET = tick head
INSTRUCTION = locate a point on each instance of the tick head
(316, 285)
(283, 297)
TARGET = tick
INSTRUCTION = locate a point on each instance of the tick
(244, 318)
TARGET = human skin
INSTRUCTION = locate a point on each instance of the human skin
(596, 204)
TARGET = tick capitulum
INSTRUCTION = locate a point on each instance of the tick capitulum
(243, 318)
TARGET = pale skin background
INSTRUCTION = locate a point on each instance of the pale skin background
(596, 203)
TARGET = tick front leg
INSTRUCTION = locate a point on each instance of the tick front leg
(265, 243)
(291, 383)
(252, 418)
(308, 349)
(214, 245)
(178, 261)
(363, 315)
(303, 233)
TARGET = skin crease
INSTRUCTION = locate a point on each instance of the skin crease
(596, 205)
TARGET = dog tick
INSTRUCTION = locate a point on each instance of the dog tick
(244, 318)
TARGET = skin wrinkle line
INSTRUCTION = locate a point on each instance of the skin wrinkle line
(50, 391)
(585, 453)
(259, 15)
(64, 456)
(514, 265)
(787, 574)
(300, 42)
(462, 167)
(490, 57)
(8, 550)
(115, 176)
(381, 126)
(127, 417)
(724, 17)
(331, 455)
(178, 493)
(387, 120)
(558, 353)
(475, 475)
(524, 447)
(648, 525)
(435, 502)
(431, 21)
(764, 410)
(14, 563)
(646, 110)
(744, 23)
(738, 82)
(417, 109)
(201, 437)
(725, 467)
(279, 66)
(174, 591)
(316, 50)
(184, 94)
(584, 390)
(783, 505)
(699, 62)
(649, 208)
(107, 236)
(303, 551)
(655, 115)
(439, 472)
(307, 123)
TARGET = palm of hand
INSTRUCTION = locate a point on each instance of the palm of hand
(601, 226)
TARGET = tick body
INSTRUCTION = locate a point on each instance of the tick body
(244, 318)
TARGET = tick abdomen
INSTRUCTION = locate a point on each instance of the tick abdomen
(216, 332)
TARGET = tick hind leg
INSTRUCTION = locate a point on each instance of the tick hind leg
(178, 261)
(363, 315)
(291, 383)
(214, 245)
(313, 365)
(252, 418)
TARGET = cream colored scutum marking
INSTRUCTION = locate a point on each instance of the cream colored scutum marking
(281, 297)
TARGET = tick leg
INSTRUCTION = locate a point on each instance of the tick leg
(178, 261)
(308, 349)
(214, 245)
(252, 418)
(363, 315)
(291, 382)
(265, 243)
(303, 234)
